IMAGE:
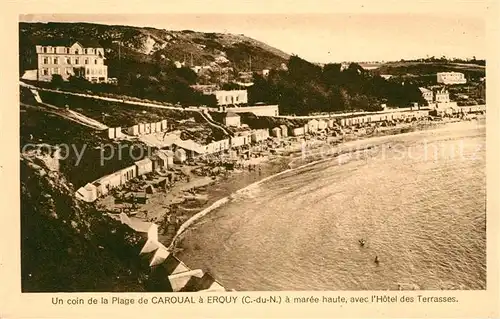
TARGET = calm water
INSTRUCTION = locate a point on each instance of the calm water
(421, 212)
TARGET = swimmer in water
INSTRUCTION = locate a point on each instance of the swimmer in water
(362, 242)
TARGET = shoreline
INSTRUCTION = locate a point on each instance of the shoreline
(192, 196)
(175, 243)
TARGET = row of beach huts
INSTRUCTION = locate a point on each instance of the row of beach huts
(165, 159)
(138, 129)
(186, 149)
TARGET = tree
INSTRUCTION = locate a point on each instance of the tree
(57, 80)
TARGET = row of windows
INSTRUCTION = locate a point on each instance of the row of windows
(95, 71)
(67, 50)
(232, 98)
(46, 60)
(69, 71)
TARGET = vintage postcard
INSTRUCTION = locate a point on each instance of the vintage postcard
(248, 161)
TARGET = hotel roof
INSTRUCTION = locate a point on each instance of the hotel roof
(86, 43)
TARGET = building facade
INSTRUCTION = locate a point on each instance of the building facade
(442, 96)
(231, 97)
(259, 110)
(451, 78)
(232, 119)
(71, 59)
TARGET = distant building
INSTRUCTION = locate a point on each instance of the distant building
(386, 76)
(232, 119)
(230, 97)
(451, 78)
(427, 94)
(82, 59)
(442, 96)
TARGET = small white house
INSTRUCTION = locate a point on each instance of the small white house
(232, 119)
(144, 166)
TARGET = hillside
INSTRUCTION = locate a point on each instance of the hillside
(424, 68)
(154, 47)
(146, 63)
(67, 245)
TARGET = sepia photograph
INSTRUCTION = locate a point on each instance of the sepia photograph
(241, 152)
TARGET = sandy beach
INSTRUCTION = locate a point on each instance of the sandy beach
(171, 208)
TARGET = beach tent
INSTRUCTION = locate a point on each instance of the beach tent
(150, 189)
(197, 284)
(180, 280)
(88, 193)
(284, 130)
(133, 130)
(163, 125)
(276, 132)
(160, 256)
(144, 166)
(180, 155)
(142, 128)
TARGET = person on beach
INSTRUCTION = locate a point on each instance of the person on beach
(376, 260)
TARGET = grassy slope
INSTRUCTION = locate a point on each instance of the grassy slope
(125, 115)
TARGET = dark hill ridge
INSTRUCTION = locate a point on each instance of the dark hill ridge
(150, 45)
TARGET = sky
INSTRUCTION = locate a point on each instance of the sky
(363, 32)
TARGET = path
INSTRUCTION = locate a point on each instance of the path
(204, 114)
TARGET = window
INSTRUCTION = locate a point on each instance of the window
(68, 71)
(95, 61)
(55, 71)
(56, 61)
(44, 50)
(84, 51)
(67, 50)
(77, 52)
(45, 61)
(45, 72)
(68, 61)
(77, 61)
(88, 71)
(86, 61)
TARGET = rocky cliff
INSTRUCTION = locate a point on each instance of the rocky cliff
(67, 245)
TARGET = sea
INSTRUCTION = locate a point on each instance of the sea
(417, 200)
